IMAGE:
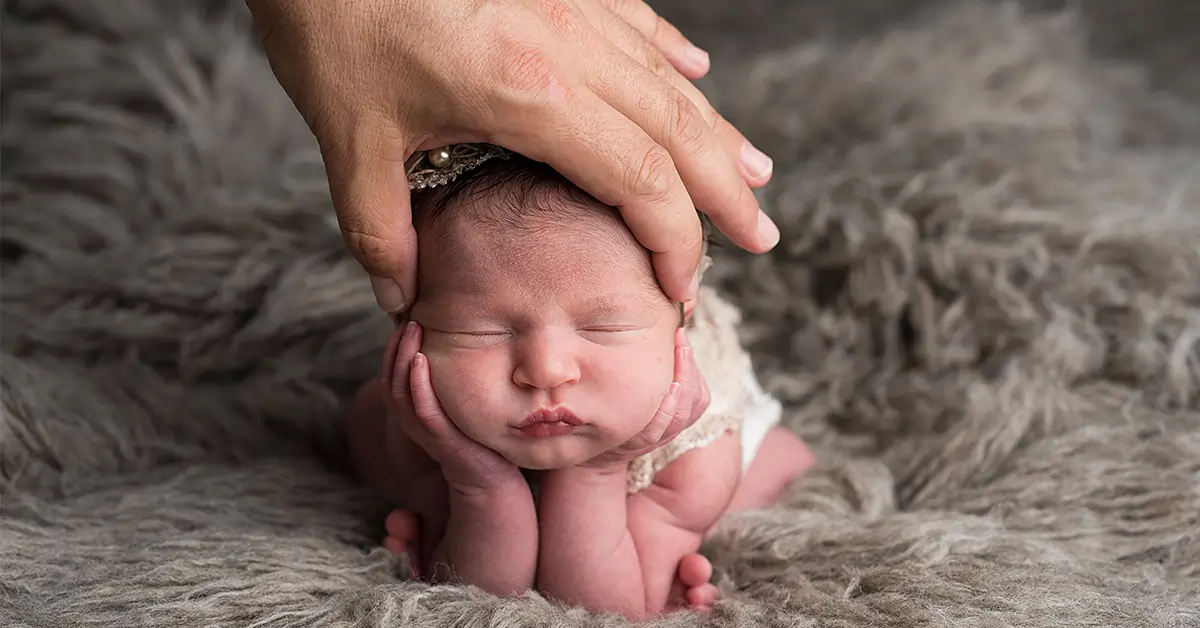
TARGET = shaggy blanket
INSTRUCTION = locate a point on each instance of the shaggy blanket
(984, 315)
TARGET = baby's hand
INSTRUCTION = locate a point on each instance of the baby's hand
(687, 399)
(414, 410)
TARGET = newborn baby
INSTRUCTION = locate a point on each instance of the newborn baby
(523, 422)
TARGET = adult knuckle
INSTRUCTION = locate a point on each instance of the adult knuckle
(371, 250)
(687, 125)
(654, 177)
(527, 74)
(615, 6)
(559, 15)
(657, 63)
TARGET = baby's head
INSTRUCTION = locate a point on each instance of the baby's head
(536, 298)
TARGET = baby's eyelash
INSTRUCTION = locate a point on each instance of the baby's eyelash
(454, 332)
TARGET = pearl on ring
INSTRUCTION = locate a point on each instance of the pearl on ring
(439, 158)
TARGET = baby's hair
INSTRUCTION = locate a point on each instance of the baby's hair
(522, 194)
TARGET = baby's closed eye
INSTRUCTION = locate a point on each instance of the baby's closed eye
(467, 337)
(612, 332)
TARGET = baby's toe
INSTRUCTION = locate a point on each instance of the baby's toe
(695, 570)
(400, 548)
(395, 546)
(702, 597)
(402, 525)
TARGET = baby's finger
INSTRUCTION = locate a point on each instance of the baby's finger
(425, 401)
(663, 418)
(682, 417)
(397, 364)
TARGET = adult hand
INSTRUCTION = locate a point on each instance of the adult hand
(686, 400)
(598, 89)
(413, 408)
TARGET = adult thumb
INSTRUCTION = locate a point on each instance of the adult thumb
(371, 197)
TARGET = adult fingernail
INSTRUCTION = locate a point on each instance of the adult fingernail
(696, 58)
(768, 233)
(388, 294)
(756, 162)
(694, 288)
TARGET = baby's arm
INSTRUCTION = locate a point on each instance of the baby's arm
(487, 538)
(608, 551)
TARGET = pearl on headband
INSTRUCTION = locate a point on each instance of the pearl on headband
(431, 168)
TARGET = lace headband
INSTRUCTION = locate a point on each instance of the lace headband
(431, 168)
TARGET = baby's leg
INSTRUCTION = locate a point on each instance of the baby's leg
(779, 460)
(402, 472)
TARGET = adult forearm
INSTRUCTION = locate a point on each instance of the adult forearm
(587, 555)
(491, 541)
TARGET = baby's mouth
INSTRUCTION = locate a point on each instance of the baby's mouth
(549, 422)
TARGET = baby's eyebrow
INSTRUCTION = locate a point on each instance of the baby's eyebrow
(611, 304)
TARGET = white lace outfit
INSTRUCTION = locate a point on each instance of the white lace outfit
(738, 402)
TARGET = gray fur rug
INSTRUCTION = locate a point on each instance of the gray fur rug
(985, 316)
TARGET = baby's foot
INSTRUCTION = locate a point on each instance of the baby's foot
(695, 571)
(403, 537)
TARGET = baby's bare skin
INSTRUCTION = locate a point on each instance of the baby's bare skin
(538, 303)
(500, 526)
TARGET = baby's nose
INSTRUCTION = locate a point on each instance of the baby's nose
(545, 363)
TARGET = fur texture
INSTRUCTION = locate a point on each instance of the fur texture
(985, 316)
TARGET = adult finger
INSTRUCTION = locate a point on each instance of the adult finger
(686, 57)
(674, 122)
(755, 166)
(369, 187)
(600, 150)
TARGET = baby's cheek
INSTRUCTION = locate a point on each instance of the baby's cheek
(456, 381)
(643, 381)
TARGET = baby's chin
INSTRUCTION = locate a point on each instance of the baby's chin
(548, 454)
(557, 452)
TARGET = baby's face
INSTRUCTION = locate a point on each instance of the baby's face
(566, 321)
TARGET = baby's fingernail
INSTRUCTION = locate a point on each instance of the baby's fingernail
(673, 390)
(768, 233)
(757, 163)
(388, 294)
